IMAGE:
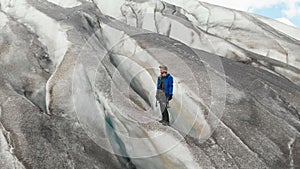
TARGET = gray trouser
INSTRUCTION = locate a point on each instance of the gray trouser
(163, 102)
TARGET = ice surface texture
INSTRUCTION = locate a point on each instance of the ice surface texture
(78, 77)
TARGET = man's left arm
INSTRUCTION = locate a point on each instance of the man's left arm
(170, 89)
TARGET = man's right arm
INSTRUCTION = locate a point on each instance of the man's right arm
(158, 82)
(157, 87)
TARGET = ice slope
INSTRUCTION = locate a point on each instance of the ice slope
(51, 33)
(132, 68)
(7, 160)
(139, 69)
(120, 131)
(229, 33)
(98, 107)
(286, 29)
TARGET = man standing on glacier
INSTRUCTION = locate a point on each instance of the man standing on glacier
(164, 92)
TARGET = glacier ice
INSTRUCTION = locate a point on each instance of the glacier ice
(78, 78)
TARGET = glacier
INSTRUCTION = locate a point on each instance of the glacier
(78, 79)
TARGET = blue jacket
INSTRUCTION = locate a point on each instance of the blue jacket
(168, 84)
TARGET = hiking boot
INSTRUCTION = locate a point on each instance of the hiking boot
(161, 121)
(165, 123)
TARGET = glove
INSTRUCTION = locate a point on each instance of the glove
(170, 97)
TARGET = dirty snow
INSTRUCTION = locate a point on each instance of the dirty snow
(66, 3)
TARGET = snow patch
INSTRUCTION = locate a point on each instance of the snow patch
(137, 76)
(179, 154)
(279, 56)
(66, 3)
(3, 20)
(234, 96)
(294, 77)
(51, 33)
(113, 38)
(110, 7)
(286, 21)
(286, 29)
(290, 144)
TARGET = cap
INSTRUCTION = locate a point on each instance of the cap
(163, 67)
